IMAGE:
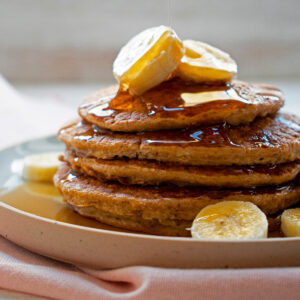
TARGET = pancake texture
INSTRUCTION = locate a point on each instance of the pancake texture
(269, 140)
(145, 172)
(166, 205)
(164, 107)
(150, 163)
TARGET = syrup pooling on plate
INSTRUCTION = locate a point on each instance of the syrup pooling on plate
(171, 99)
(43, 200)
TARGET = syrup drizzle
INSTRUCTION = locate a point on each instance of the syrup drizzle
(218, 135)
(215, 136)
(170, 99)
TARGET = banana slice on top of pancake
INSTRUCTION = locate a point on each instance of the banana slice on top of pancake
(167, 84)
(205, 63)
(151, 57)
(148, 59)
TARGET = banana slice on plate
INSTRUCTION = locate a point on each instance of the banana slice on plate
(230, 220)
(290, 222)
(148, 59)
(41, 167)
(205, 63)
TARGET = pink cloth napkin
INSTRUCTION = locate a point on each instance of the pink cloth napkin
(26, 272)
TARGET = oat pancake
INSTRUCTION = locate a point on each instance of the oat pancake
(175, 104)
(165, 210)
(269, 140)
(145, 172)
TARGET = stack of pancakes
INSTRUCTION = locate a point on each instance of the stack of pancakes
(151, 163)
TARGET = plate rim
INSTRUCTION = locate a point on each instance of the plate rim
(140, 235)
(128, 234)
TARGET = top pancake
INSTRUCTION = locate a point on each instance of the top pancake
(269, 140)
(176, 104)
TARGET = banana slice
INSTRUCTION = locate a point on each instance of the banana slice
(41, 167)
(290, 222)
(230, 220)
(148, 59)
(204, 63)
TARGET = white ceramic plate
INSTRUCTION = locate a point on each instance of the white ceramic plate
(104, 248)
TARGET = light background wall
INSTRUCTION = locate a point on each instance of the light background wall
(77, 40)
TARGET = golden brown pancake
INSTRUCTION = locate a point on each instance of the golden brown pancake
(178, 104)
(165, 210)
(269, 140)
(145, 172)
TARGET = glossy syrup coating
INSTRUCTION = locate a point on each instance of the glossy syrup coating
(269, 140)
(176, 104)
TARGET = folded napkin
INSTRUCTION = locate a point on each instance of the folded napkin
(26, 272)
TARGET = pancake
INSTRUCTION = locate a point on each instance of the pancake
(274, 222)
(165, 210)
(181, 228)
(269, 140)
(145, 172)
(175, 104)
